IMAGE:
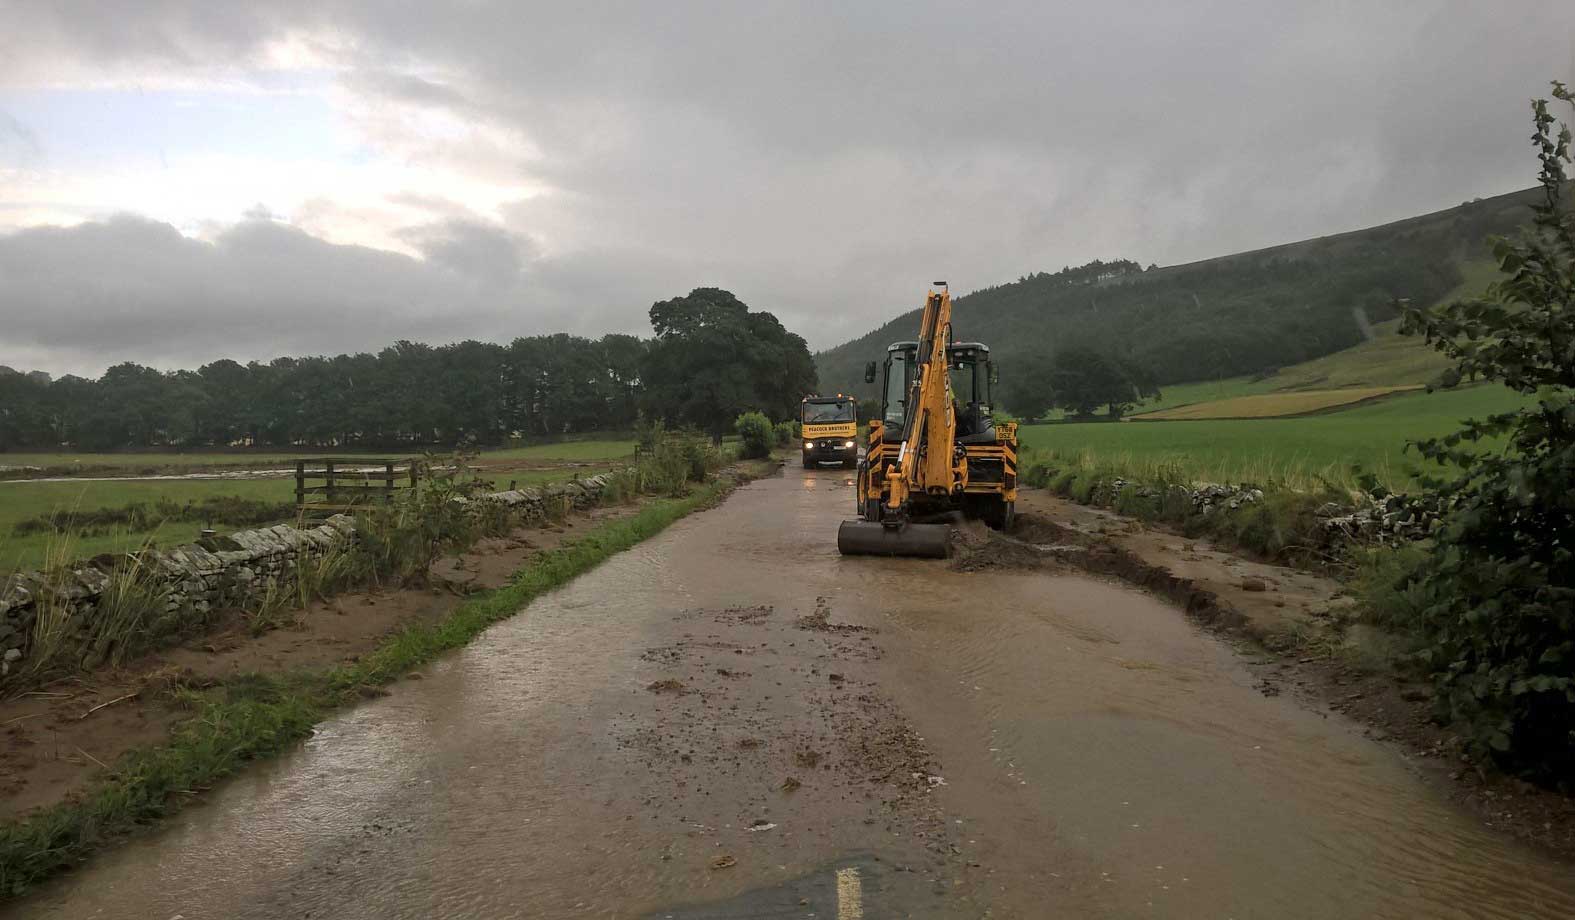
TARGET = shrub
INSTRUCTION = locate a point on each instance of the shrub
(787, 433)
(756, 435)
(1496, 595)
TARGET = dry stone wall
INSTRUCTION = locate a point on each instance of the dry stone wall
(234, 571)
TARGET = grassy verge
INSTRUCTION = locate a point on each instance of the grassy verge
(257, 715)
(1276, 523)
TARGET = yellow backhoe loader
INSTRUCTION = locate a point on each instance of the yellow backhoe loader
(934, 450)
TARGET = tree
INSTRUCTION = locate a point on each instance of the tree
(1496, 598)
(713, 360)
(1028, 387)
(622, 355)
(1083, 378)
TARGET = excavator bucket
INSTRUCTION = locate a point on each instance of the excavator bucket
(868, 538)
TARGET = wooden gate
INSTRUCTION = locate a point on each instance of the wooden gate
(330, 485)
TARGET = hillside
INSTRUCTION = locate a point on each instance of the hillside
(1244, 315)
(1388, 359)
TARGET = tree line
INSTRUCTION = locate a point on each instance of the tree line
(710, 359)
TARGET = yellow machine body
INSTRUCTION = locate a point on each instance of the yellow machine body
(932, 450)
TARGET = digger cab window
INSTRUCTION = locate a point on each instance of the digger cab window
(970, 378)
(898, 376)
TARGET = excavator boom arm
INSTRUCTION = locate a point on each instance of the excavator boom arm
(930, 431)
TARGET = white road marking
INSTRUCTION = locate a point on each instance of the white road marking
(850, 894)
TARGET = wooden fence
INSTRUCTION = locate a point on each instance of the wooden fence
(329, 485)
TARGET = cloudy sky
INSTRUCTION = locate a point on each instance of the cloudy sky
(183, 181)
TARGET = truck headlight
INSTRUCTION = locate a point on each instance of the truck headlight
(809, 445)
(847, 443)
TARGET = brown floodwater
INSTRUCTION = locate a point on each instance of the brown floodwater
(731, 720)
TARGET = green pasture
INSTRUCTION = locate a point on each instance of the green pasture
(24, 500)
(20, 501)
(149, 462)
(1293, 451)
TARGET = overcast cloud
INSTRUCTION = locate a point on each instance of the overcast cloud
(198, 180)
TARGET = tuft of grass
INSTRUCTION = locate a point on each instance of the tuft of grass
(314, 577)
(253, 716)
(132, 600)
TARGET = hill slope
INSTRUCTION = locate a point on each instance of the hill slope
(1243, 314)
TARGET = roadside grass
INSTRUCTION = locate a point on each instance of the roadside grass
(1276, 405)
(252, 716)
(1298, 453)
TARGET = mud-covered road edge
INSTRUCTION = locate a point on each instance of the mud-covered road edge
(1376, 701)
(257, 716)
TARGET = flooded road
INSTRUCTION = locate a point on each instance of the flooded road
(731, 720)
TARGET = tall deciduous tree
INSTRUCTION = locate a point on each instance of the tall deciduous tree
(1082, 379)
(713, 360)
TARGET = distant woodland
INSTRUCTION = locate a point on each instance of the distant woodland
(710, 359)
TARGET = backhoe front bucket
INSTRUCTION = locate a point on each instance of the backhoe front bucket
(867, 538)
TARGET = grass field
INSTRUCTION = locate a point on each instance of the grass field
(566, 450)
(26, 500)
(21, 501)
(150, 462)
(1276, 405)
(1293, 451)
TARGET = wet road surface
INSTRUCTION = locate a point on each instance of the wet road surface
(731, 720)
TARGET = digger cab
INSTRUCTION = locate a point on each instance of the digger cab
(989, 486)
(972, 381)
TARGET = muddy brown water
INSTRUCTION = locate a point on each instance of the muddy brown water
(731, 720)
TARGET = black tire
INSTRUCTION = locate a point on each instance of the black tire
(858, 493)
(807, 462)
(994, 511)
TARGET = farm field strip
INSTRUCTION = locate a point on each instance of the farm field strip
(1273, 405)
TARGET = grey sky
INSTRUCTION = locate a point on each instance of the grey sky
(438, 171)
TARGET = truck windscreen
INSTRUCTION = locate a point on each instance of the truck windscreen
(824, 413)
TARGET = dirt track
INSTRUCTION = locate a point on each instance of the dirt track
(732, 721)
